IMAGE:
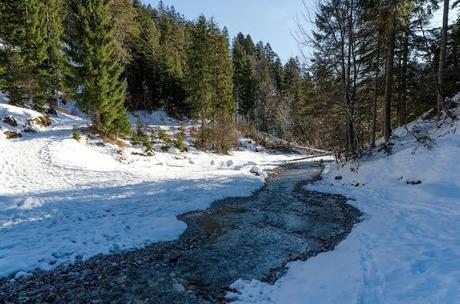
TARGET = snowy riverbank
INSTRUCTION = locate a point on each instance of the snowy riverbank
(407, 248)
(63, 200)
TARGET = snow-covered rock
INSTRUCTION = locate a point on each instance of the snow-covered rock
(257, 171)
(14, 121)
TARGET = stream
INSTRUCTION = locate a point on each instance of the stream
(236, 238)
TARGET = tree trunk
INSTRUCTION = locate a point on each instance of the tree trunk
(376, 95)
(389, 73)
(442, 57)
(97, 121)
(351, 146)
(403, 96)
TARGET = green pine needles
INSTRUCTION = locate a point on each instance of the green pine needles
(96, 70)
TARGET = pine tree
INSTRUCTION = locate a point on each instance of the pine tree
(23, 33)
(96, 66)
(143, 73)
(243, 78)
(33, 48)
(199, 77)
(173, 59)
(51, 71)
(222, 69)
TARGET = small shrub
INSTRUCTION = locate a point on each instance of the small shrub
(219, 136)
(164, 137)
(148, 145)
(180, 139)
(76, 135)
(249, 131)
(138, 136)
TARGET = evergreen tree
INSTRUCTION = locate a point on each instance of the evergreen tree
(243, 77)
(143, 73)
(222, 69)
(23, 33)
(199, 77)
(96, 66)
(33, 48)
(173, 59)
(51, 71)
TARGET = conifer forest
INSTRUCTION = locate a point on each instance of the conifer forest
(210, 151)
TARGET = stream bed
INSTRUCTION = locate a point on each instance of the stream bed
(236, 238)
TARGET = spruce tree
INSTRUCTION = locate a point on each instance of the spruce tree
(33, 49)
(243, 77)
(96, 66)
(222, 69)
(24, 49)
(143, 70)
(51, 71)
(199, 77)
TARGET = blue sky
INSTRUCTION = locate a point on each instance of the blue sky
(271, 21)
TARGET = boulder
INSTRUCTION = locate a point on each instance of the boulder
(12, 134)
(257, 171)
(42, 121)
(10, 120)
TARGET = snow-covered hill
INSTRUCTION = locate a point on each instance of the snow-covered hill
(407, 247)
(63, 200)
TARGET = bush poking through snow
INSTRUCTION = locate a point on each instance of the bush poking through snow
(141, 138)
(249, 131)
(138, 136)
(147, 145)
(76, 135)
(219, 135)
(180, 139)
(164, 137)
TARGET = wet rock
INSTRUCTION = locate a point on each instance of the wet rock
(257, 171)
(178, 287)
(414, 182)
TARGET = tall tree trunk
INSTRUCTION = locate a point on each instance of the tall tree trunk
(403, 97)
(376, 94)
(442, 57)
(97, 121)
(389, 73)
(349, 96)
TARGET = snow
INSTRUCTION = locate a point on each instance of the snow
(63, 200)
(407, 247)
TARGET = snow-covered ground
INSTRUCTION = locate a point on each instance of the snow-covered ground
(406, 249)
(63, 200)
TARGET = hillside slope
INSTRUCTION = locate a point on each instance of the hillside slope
(407, 247)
